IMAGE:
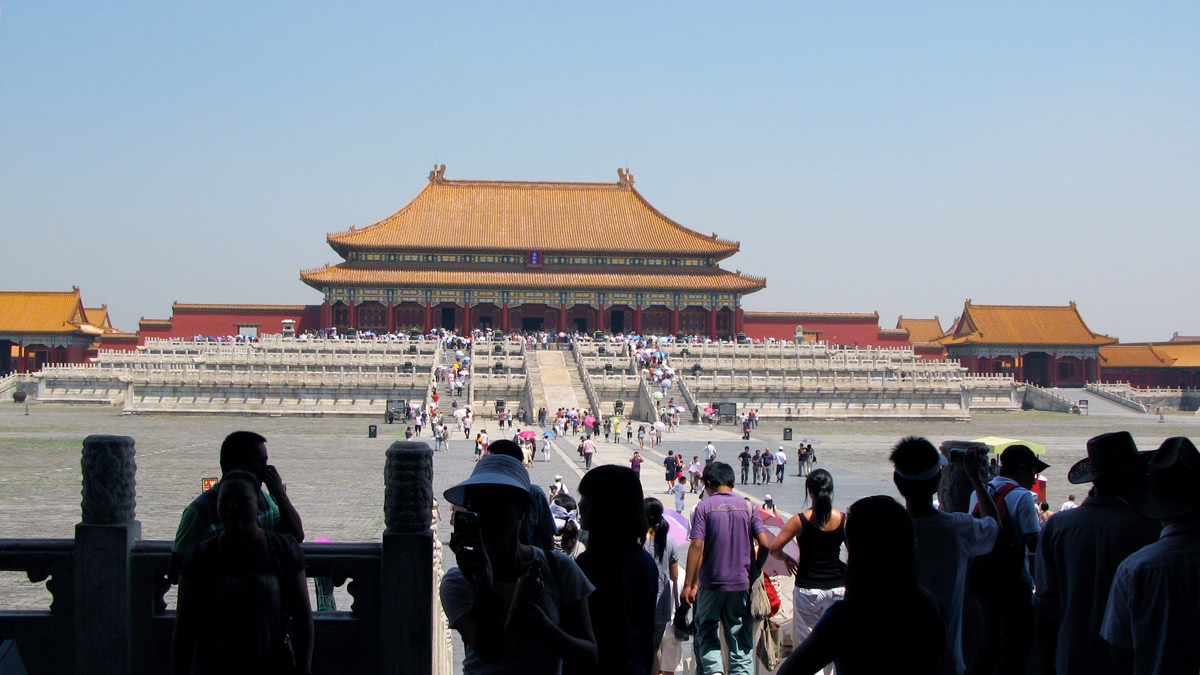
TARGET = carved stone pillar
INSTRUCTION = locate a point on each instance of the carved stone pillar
(407, 591)
(103, 562)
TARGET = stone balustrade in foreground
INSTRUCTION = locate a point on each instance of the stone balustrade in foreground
(108, 585)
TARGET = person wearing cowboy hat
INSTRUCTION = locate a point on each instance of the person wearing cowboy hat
(1153, 616)
(1079, 553)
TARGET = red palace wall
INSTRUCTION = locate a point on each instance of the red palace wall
(861, 330)
(224, 320)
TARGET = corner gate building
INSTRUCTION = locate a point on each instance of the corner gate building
(516, 255)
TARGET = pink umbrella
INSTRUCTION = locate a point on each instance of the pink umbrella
(589, 420)
(527, 434)
(660, 426)
(679, 526)
(774, 566)
(769, 518)
(709, 411)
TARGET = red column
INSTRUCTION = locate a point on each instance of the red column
(712, 322)
(1052, 366)
(739, 321)
(504, 318)
(600, 317)
(1020, 361)
(674, 321)
(428, 316)
(391, 317)
(466, 318)
(562, 319)
(325, 313)
(637, 319)
(354, 314)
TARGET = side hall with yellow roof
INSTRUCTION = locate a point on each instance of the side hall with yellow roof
(530, 256)
(1173, 363)
(41, 327)
(1050, 346)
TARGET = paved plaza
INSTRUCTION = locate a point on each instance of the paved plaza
(334, 472)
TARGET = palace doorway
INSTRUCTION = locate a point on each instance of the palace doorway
(532, 324)
(448, 318)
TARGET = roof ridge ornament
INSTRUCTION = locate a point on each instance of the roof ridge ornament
(624, 177)
(438, 175)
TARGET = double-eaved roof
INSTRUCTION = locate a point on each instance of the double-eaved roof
(467, 234)
(552, 217)
(1022, 325)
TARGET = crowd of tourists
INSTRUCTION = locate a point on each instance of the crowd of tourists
(588, 579)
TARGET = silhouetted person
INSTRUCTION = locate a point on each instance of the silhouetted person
(1001, 580)
(1153, 618)
(242, 594)
(1080, 551)
(538, 527)
(946, 542)
(613, 513)
(518, 608)
(240, 451)
(887, 623)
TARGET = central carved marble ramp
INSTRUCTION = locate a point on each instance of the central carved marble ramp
(557, 387)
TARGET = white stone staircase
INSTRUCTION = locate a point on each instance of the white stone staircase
(559, 389)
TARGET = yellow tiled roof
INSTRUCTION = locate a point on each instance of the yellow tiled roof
(1022, 324)
(921, 330)
(154, 322)
(1133, 356)
(40, 312)
(98, 317)
(1183, 354)
(362, 274)
(549, 217)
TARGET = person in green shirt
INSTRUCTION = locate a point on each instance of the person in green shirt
(244, 451)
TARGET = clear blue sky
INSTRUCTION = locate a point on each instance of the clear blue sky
(890, 157)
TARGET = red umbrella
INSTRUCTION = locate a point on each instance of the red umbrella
(527, 434)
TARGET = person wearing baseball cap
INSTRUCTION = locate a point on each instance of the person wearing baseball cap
(517, 607)
(1151, 619)
(1072, 595)
(1007, 604)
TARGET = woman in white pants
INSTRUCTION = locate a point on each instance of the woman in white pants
(819, 533)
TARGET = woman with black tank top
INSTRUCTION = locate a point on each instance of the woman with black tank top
(820, 574)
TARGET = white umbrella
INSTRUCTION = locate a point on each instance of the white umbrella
(660, 426)
(460, 413)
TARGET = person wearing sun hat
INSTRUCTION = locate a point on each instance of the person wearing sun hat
(1080, 550)
(517, 607)
(1153, 614)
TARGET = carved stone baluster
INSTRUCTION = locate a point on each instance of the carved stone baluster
(103, 562)
(407, 585)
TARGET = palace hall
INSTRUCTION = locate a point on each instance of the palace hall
(529, 256)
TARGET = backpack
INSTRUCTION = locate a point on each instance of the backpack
(993, 574)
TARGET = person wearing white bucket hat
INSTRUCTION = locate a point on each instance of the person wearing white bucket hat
(517, 607)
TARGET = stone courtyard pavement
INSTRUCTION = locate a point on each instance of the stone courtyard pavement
(335, 473)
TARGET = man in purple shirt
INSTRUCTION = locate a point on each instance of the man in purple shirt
(721, 565)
